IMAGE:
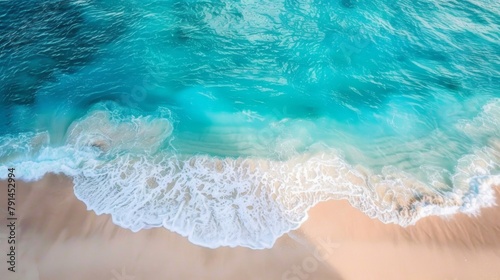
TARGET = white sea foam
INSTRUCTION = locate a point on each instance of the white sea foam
(240, 201)
(111, 132)
(22, 145)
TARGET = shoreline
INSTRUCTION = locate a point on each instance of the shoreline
(59, 239)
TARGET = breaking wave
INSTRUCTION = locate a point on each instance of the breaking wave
(242, 201)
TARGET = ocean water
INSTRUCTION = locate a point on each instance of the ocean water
(225, 121)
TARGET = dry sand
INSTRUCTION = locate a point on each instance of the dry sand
(57, 238)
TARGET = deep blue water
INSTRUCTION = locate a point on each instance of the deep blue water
(226, 120)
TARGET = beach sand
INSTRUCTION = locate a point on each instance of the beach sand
(57, 238)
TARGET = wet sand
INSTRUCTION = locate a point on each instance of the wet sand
(57, 238)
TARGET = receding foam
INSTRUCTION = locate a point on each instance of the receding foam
(251, 201)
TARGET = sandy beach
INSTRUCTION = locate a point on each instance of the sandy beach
(57, 238)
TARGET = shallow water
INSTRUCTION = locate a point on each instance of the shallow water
(227, 121)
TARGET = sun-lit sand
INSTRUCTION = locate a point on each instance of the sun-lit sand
(57, 238)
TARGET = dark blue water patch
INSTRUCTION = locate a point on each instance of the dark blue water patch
(26, 22)
(41, 39)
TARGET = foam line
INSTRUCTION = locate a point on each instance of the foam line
(250, 202)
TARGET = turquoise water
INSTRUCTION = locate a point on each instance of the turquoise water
(225, 121)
